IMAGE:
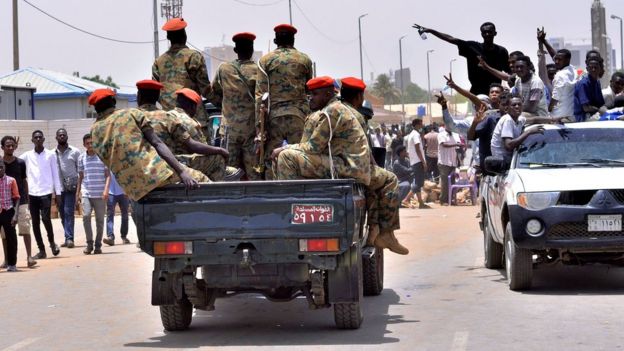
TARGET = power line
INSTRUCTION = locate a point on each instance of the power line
(87, 32)
(339, 42)
(368, 58)
(204, 52)
(255, 4)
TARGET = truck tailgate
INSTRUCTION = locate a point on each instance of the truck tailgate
(244, 211)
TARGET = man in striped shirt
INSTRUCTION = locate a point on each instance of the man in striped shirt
(93, 184)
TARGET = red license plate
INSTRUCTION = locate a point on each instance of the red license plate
(306, 214)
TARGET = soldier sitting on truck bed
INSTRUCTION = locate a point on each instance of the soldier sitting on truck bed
(179, 131)
(382, 194)
(126, 143)
(333, 144)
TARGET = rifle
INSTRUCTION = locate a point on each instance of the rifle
(260, 139)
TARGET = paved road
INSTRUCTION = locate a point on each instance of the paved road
(438, 298)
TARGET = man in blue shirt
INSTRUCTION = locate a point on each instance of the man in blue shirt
(116, 197)
(588, 99)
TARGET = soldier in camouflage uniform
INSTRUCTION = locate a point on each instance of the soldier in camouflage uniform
(234, 87)
(331, 130)
(382, 194)
(181, 67)
(283, 73)
(126, 143)
(180, 132)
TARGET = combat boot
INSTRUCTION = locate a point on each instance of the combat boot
(373, 233)
(387, 240)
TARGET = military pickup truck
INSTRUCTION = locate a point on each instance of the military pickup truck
(281, 239)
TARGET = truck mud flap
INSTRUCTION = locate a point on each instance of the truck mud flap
(345, 282)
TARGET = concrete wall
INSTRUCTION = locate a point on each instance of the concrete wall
(76, 128)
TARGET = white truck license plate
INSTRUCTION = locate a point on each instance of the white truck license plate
(604, 223)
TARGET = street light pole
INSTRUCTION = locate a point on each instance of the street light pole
(451, 73)
(156, 49)
(621, 41)
(429, 87)
(360, 36)
(401, 78)
(290, 11)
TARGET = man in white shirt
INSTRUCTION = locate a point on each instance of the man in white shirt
(562, 101)
(417, 159)
(614, 89)
(508, 132)
(447, 160)
(530, 87)
(43, 180)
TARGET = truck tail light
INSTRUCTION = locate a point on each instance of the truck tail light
(173, 248)
(319, 245)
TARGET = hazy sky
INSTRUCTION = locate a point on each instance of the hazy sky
(327, 33)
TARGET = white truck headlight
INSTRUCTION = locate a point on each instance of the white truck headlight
(538, 201)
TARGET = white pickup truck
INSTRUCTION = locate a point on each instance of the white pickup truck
(561, 200)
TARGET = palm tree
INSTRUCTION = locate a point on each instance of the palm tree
(384, 88)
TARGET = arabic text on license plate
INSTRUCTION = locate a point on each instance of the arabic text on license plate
(604, 223)
(306, 214)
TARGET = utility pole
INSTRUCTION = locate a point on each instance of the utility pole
(290, 11)
(621, 41)
(429, 88)
(15, 38)
(156, 49)
(401, 77)
(360, 36)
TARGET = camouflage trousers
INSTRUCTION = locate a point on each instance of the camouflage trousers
(213, 166)
(382, 199)
(295, 164)
(175, 178)
(242, 154)
(289, 128)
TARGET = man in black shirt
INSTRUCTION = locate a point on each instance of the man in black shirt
(16, 168)
(495, 55)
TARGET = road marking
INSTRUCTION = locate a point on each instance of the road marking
(460, 341)
(21, 344)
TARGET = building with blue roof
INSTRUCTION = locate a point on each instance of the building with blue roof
(56, 95)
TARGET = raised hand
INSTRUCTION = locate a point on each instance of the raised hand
(449, 81)
(541, 35)
(441, 99)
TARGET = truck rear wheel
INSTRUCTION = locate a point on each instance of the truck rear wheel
(348, 315)
(518, 263)
(373, 270)
(177, 317)
(493, 251)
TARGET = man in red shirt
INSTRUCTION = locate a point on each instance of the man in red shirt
(9, 200)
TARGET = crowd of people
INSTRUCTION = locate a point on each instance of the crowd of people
(29, 184)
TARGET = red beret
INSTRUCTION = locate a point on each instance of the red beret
(190, 94)
(353, 83)
(320, 82)
(174, 24)
(285, 28)
(99, 94)
(148, 84)
(244, 36)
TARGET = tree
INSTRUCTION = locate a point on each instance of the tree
(415, 94)
(383, 88)
(96, 78)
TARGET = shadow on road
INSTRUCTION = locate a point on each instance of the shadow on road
(249, 320)
(559, 279)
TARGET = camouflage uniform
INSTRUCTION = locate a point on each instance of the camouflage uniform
(174, 128)
(119, 141)
(181, 67)
(310, 158)
(382, 194)
(235, 85)
(283, 73)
